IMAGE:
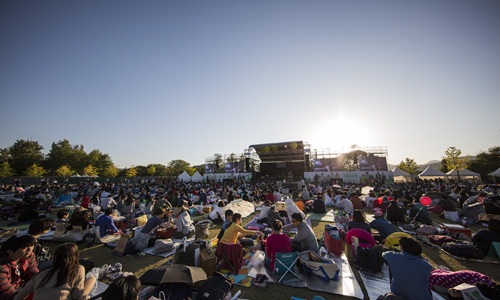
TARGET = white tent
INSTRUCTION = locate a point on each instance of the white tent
(431, 172)
(400, 175)
(197, 177)
(184, 177)
(463, 173)
(495, 173)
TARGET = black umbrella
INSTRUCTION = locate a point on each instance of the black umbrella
(173, 273)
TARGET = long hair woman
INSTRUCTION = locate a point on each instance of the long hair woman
(65, 280)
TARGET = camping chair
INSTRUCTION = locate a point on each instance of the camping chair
(229, 256)
(285, 263)
(494, 249)
(392, 240)
(365, 238)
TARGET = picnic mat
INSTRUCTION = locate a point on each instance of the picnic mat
(347, 285)
(326, 217)
(242, 278)
(379, 283)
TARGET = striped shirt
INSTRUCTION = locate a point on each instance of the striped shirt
(14, 274)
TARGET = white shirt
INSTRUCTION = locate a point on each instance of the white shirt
(346, 204)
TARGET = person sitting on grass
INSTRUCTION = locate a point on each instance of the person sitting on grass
(229, 219)
(319, 204)
(358, 221)
(277, 242)
(384, 227)
(235, 233)
(409, 270)
(217, 214)
(64, 280)
(107, 229)
(485, 237)
(305, 239)
(17, 264)
(145, 238)
(123, 288)
(183, 222)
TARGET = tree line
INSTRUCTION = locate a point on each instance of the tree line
(483, 163)
(25, 158)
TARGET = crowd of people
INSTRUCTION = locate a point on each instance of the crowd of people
(168, 204)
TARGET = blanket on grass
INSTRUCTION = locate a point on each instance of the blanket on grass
(380, 284)
(347, 285)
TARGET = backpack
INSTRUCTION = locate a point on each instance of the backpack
(369, 259)
(171, 291)
(215, 288)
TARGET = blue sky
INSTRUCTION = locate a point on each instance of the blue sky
(153, 81)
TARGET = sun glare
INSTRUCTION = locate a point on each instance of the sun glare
(341, 133)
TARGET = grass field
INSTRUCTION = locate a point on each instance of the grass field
(138, 265)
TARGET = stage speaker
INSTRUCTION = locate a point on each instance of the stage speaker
(216, 164)
(308, 164)
(247, 164)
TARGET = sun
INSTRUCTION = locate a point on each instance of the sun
(341, 133)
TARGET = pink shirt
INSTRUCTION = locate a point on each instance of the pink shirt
(277, 243)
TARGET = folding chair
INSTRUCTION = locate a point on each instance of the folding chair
(229, 256)
(285, 263)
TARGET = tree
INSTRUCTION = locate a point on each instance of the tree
(35, 171)
(453, 160)
(6, 170)
(486, 162)
(100, 160)
(64, 171)
(161, 170)
(409, 166)
(91, 171)
(151, 170)
(63, 153)
(4, 154)
(176, 167)
(109, 171)
(25, 153)
(131, 172)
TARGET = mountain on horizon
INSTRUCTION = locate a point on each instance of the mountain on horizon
(434, 163)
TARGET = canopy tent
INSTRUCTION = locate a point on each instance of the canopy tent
(197, 177)
(431, 172)
(184, 177)
(463, 173)
(495, 173)
(398, 172)
(400, 175)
